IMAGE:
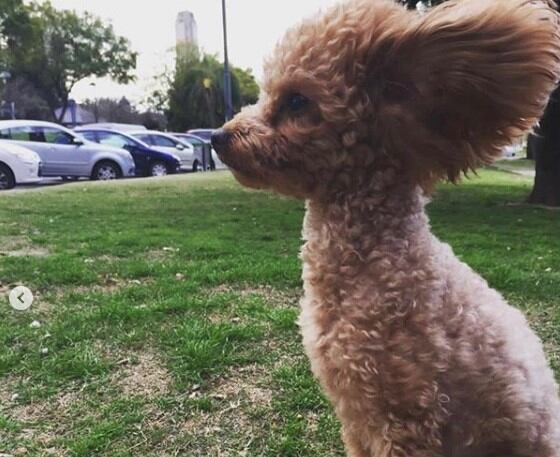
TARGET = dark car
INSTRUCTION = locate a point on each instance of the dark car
(201, 147)
(148, 160)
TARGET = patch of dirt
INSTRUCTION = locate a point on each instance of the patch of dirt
(159, 255)
(38, 411)
(241, 386)
(107, 285)
(105, 258)
(21, 246)
(142, 374)
(226, 430)
(52, 412)
(8, 387)
(277, 298)
(42, 421)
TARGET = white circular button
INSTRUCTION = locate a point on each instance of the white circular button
(21, 298)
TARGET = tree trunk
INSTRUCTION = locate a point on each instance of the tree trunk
(546, 190)
(531, 145)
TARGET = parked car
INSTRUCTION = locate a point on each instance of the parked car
(205, 134)
(199, 145)
(168, 143)
(148, 160)
(65, 154)
(18, 165)
(114, 126)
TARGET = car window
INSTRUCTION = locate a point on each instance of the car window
(90, 136)
(113, 139)
(193, 141)
(26, 133)
(5, 134)
(55, 136)
(158, 140)
(143, 137)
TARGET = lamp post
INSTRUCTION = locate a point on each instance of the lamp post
(227, 75)
(95, 101)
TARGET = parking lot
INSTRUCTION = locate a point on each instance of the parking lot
(35, 154)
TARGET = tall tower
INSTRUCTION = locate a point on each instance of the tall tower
(186, 30)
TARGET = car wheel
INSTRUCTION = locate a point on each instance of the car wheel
(7, 180)
(195, 166)
(106, 171)
(158, 169)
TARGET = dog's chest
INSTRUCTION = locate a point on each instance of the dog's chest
(363, 342)
(344, 358)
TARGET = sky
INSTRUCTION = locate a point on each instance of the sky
(254, 27)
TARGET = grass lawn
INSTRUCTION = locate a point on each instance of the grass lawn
(167, 308)
(520, 166)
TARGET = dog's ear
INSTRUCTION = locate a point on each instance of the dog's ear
(455, 85)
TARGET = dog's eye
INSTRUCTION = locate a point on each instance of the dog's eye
(296, 103)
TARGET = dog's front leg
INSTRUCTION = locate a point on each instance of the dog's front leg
(405, 448)
(355, 447)
(353, 444)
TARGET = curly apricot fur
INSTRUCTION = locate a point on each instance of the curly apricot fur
(419, 356)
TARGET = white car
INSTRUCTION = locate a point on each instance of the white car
(18, 165)
(115, 126)
(168, 143)
(64, 153)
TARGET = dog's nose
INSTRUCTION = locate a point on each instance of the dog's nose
(220, 139)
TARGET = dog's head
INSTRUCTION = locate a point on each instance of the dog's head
(369, 89)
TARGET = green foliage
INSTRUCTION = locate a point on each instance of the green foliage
(195, 94)
(28, 101)
(249, 89)
(54, 49)
(122, 111)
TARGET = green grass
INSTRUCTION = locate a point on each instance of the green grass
(167, 312)
(518, 165)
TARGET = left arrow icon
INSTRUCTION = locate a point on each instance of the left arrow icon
(21, 298)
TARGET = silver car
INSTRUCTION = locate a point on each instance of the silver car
(168, 143)
(65, 154)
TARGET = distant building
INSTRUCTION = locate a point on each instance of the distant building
(186, 30)
(75, 115)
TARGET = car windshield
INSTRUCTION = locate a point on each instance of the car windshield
(190, 140)
(143, 137)
(160, 140)
(204, 134)
(114, 139)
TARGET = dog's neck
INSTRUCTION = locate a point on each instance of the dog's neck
(365, 240)
(369, 219)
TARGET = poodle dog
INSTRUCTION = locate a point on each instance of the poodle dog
(363, 109)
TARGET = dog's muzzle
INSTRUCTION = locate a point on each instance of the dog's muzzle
(221, 140)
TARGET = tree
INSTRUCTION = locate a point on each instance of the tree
(248, 87)
(122, 111)
(54, 49)
(195, 95)
(28, 102)
(546, 150)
